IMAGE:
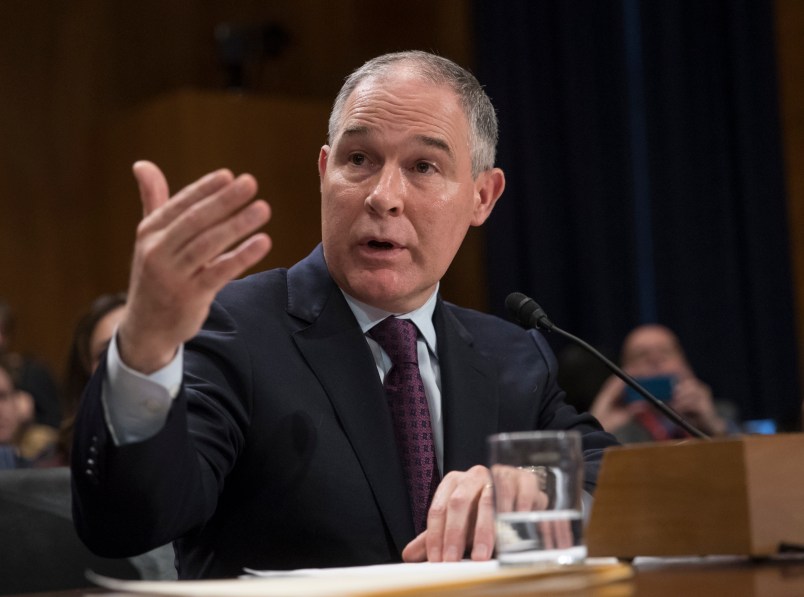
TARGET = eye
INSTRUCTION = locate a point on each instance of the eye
(424, 167)
(358, 159)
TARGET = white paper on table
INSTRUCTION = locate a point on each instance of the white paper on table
(420, 569)
(313, 582)
(328, 582)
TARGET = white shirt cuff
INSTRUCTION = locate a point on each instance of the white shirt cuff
(136, 405)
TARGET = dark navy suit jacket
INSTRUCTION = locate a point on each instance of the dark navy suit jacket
(279, 451)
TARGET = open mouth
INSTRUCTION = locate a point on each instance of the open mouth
(382, 245)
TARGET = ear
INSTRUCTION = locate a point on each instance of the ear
(323, 156)
(489, 185)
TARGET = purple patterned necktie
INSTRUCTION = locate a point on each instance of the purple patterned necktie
(410, 412)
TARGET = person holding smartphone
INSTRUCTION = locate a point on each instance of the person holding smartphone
(653, 355)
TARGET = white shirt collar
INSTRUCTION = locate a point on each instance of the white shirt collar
(368, 316)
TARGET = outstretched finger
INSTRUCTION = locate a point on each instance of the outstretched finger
(230, 265)
(169, 212)
(461, 513)
(197, 193)
(208, 246)
(437, 518)
(505, 486)
(547, 530)
(483, 541)
(207, 227)
(529, 495)
(153, 186)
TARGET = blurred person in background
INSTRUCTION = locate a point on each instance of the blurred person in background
(22, 441)
(653, 355)
(30, 374)
(90, 339)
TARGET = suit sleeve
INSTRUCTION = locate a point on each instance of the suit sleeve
(132, 498)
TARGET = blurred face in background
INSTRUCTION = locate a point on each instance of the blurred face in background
(9, 411)
(102, 334)
(652, 350)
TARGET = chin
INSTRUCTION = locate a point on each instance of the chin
(382, 299)
(382, 293)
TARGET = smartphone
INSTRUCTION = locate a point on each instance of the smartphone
(762, 426)
(660, 386)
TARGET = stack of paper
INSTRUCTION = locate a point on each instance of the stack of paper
(385, 581)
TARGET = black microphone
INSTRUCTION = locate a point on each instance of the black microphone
(528, 313)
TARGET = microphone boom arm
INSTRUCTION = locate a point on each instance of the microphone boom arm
(666, 410)
(529, 314)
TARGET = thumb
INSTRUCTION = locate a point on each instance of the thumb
(611, 390)
(152, 184)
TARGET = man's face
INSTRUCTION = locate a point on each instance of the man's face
(397, 192)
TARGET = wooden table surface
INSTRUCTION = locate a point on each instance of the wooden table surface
(732, 577)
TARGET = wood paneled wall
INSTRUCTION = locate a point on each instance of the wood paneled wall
(74, 75)
(77, 75)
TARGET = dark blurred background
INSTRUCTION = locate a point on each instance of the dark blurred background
(654, 155)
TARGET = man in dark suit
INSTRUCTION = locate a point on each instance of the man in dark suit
(267, 441)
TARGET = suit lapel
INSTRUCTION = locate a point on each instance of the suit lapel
(468, 393)
(338, 354)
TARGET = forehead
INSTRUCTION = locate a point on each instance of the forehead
(403, 101)
(651, 339)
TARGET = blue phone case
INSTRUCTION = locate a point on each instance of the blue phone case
(660, 386)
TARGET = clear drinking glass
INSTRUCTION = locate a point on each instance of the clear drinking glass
(538, 482)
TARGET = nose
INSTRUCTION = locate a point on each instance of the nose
(386, 196)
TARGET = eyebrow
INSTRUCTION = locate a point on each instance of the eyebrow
(356, 131)
(436, 142)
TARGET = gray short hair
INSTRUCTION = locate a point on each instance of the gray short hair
(440, 71)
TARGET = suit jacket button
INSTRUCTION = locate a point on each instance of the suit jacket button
(92, 477)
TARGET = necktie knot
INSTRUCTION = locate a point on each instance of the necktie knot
(397, 338)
